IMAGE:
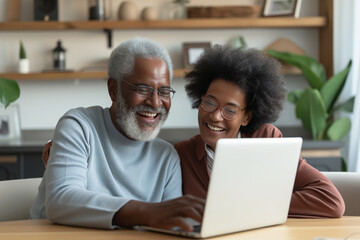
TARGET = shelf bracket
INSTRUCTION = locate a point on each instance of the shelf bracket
(109, 37)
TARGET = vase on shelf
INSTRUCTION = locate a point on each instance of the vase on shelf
(149, 13)
(179, 10)
(128, 11)
(97, 10)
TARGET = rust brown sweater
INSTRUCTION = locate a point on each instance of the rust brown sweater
(314, 196)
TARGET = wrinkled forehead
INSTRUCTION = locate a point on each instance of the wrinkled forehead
(152, 66)
(150, 71)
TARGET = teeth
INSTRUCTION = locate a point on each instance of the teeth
(214, 128)
(148, 114)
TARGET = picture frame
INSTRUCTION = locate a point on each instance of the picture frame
(9, 123)
(192, 51)
(276, 8)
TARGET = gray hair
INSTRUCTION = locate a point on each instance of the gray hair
(122, 58)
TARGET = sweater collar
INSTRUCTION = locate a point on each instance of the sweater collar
(202, 148)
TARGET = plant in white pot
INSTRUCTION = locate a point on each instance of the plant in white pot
(23, 61)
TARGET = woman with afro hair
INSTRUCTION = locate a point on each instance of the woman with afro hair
(238, 93)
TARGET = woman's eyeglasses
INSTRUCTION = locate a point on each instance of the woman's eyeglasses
(228, 112)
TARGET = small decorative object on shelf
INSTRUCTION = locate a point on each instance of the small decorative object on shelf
(96, 10)
(192, 51)
(277, 8)
(238, 43)
(180, 11)
(128, 11)
(59, 56)
(23, 61)
(149, 13)
(46, 10)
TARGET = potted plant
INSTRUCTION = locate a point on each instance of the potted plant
(9, 91)
(316, 105)
(23, 61)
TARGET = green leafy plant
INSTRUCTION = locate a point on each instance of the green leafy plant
(316, 106)
(22, 53)
(9, 91)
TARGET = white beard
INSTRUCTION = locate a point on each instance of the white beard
(127, 121)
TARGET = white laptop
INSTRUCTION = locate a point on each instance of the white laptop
(250, 186)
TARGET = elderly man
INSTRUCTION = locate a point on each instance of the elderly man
(106, 169)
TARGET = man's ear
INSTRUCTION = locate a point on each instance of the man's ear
(246, 119)
(112, 89)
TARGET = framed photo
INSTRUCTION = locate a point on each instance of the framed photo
(9, 123)
(272, 8)
(192, 51)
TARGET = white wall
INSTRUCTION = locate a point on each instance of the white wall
(42, 103)
(346, 37)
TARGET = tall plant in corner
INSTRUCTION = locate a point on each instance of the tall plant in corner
(9, 91)
(316, 105)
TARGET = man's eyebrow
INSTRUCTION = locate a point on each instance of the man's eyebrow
(146, 85)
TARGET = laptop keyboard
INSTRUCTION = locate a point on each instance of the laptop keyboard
(197, 228)
(196, 231)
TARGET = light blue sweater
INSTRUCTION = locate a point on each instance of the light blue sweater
(93, 170)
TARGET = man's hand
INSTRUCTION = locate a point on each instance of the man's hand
(46, 152)
(164, 215)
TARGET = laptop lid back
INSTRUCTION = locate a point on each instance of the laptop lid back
(251, 184)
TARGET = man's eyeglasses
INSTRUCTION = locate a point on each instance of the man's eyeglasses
(164, 93)
(228, 112)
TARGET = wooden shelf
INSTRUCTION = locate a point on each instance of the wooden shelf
(54, 75)
(178, 73)
(209, 23)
